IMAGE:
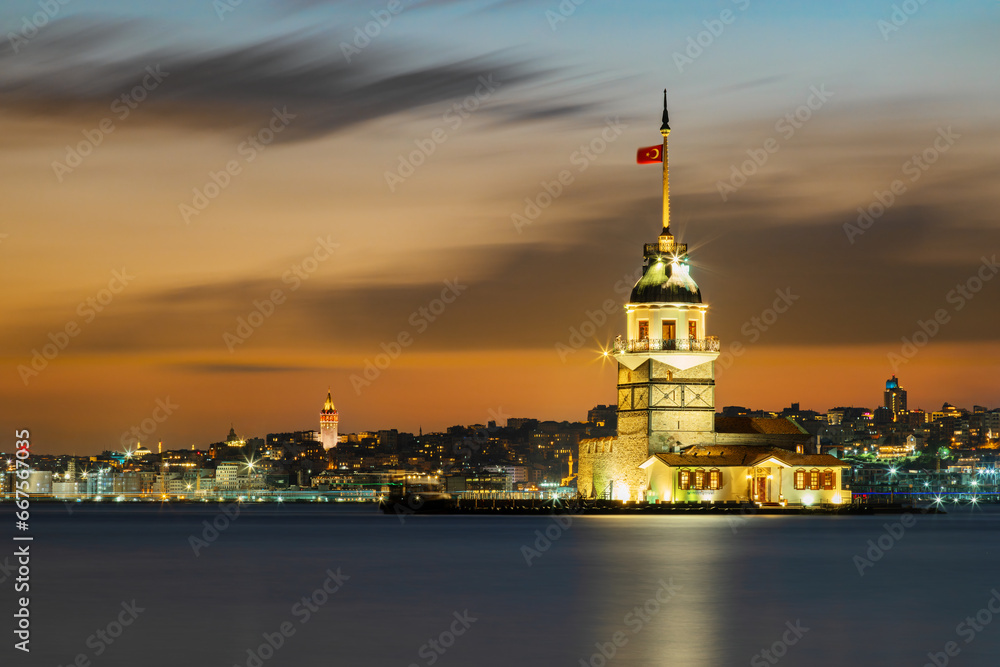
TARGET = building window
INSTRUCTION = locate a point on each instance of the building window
(643, 329)
(669, 329)
(829, 478)
(685, 480)
(814, 480)
(800, 479)
(692, 329)
(715, 479)
(699, 479)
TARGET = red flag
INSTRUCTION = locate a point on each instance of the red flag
(650, 155)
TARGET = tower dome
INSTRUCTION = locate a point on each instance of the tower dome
(666, 280)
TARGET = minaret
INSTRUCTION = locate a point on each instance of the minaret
(666, 362)
(328, 423)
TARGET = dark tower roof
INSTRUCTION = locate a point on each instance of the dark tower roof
(665, 281)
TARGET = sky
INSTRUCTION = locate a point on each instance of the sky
(214, 211)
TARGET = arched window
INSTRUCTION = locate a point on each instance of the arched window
(800, 479)
(685, 480)
(715, 479)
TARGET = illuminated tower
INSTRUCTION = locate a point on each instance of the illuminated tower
(666, 366)
(895, 398)
(328, 423)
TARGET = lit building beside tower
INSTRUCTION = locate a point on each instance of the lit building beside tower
(328, 424)
(667, 428)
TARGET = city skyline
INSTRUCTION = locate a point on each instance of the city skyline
(240, 293)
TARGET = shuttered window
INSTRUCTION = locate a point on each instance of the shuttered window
(800, 479)
(685, 479)
(715, 479)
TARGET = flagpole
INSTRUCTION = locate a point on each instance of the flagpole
(665, 130)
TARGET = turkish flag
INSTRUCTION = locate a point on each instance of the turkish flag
(650, 155)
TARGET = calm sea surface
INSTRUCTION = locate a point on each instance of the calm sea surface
(728, 589)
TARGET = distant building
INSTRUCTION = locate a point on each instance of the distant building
(329, 423)
(895, 399)
(40, 482)
(233, 446)
(227, 476)
(603, 416)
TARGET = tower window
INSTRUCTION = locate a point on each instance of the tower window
(692, 329)
(669, 329)
(643, 329)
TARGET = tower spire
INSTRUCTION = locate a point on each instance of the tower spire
(666, 118)
(665, 130)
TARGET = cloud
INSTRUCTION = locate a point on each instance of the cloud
(78, 67)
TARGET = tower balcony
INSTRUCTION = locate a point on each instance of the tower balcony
(665, 249)
(710, 344)
(680, 353)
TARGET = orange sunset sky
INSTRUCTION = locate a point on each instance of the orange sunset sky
(321, 211)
